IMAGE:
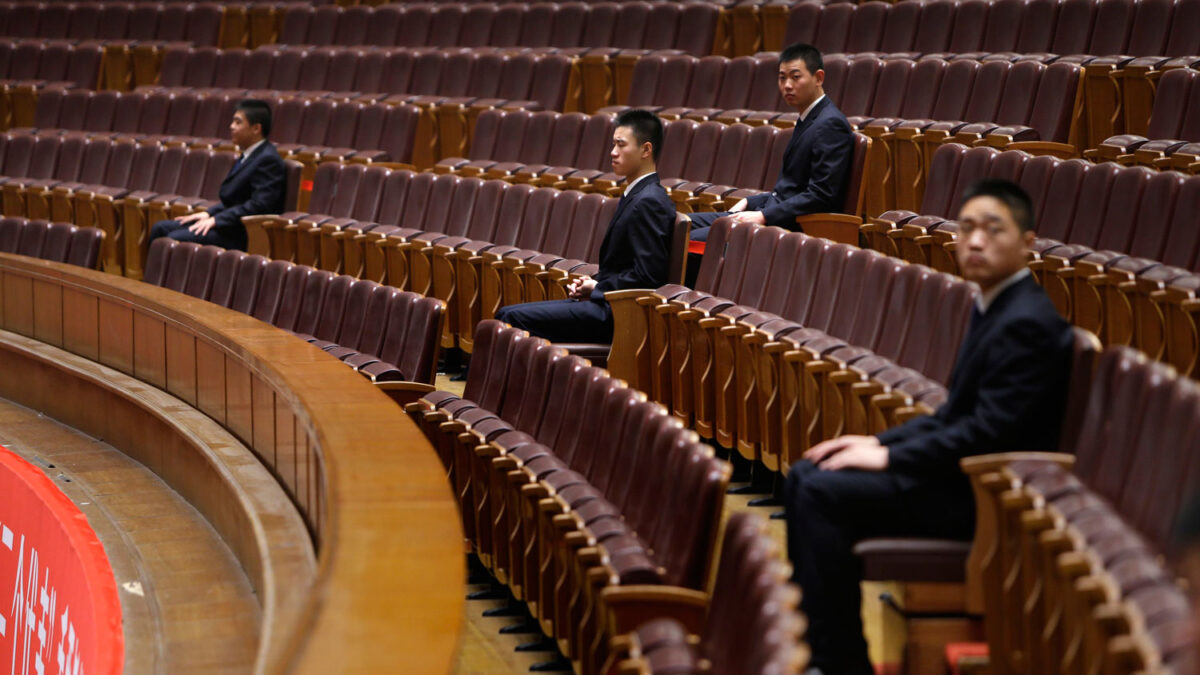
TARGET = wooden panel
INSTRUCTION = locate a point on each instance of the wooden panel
(181, 363)
(80, 323)
(238, 412)
(116, 335)
(262, 402)
(285, 447)
(48, 312)
(149, 349)
(210, 380)
(18, 304)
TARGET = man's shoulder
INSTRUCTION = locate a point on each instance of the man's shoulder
(830, 117)
(653, 195)
(1029, 309)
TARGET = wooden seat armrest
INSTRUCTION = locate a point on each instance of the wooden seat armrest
(775, 347)
(579, 540)
(818, 365)
(867, 388)
(672, 308)
(405, 392)
(846, 376)
(755, 338)
(710, 321)
(730, 329)
(839, 227)
(998, 460)
(631, 606)
(627, 294)
(796, 356)
(451, 427)
(549, 505)
(1060, 150)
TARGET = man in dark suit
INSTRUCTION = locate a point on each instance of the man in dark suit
(256, 184)
(816, 164)
(1007, 392)
(636, 250)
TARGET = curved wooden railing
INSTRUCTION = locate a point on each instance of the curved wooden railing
(389, 585)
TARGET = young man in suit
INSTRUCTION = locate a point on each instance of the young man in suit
(1007, 392)
(636, 250)
(816, 164)
(256, 184)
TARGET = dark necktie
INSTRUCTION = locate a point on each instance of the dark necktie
(236, 164)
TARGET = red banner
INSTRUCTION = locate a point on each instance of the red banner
(59, 610)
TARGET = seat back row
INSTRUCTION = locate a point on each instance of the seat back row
(384, 333)
(481, 72)
(117, 185)
(1108, 27)
(198, 23)
(736, 356)
(406, 229)
(1110, 237)
(1068, 548)
(60, 242)
(642, 495)
(308, 129)
(51, 60)
(1173, 125)
(690, 26)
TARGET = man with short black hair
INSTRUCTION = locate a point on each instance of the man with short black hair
(1007, 392)
(636, 251)
(816, 164)
(257, 184)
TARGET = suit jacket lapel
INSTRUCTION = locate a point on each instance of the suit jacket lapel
(625, 200)
(801, 127)
(245, 160)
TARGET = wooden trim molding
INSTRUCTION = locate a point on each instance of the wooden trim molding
(389, 584)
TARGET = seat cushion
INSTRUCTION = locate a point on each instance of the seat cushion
(911, 559)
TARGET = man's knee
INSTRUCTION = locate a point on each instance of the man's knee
(162, 228)
(510, 315)
(799, 481)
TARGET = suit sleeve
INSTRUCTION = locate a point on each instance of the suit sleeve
(650, 236)
(829, 169)
(268, 184)
(1022, 365)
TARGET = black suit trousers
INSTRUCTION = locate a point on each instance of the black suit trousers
(828, 512)
(562, 320)
(225, 237)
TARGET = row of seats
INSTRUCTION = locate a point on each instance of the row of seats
(29, 67)
(907, 107)
(199, 23)
(475, 73)
(1110, 239)
(750, 625)
(60, 242)
(384, 333)
(1173, 128)
(703, 166)
(690, 27)
(120, 186)
(1071, 575)
(788, 340)
(432, 234)
(639, 495)
(1099, 27)
(309, 130)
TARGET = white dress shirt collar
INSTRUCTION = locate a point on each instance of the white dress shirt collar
(804, 115)
(247, 152)
(635, 181)
(985, 299)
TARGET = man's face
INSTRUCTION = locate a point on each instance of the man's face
(798, 86)
(627, 155)
(243, 133)
(991, 246)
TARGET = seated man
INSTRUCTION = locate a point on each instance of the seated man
(816, 164)
(636, 251)
(256, 184)
(1007, 392)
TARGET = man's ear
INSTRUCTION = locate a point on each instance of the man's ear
(819, 77)
(647, 150)
(1029, 236)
